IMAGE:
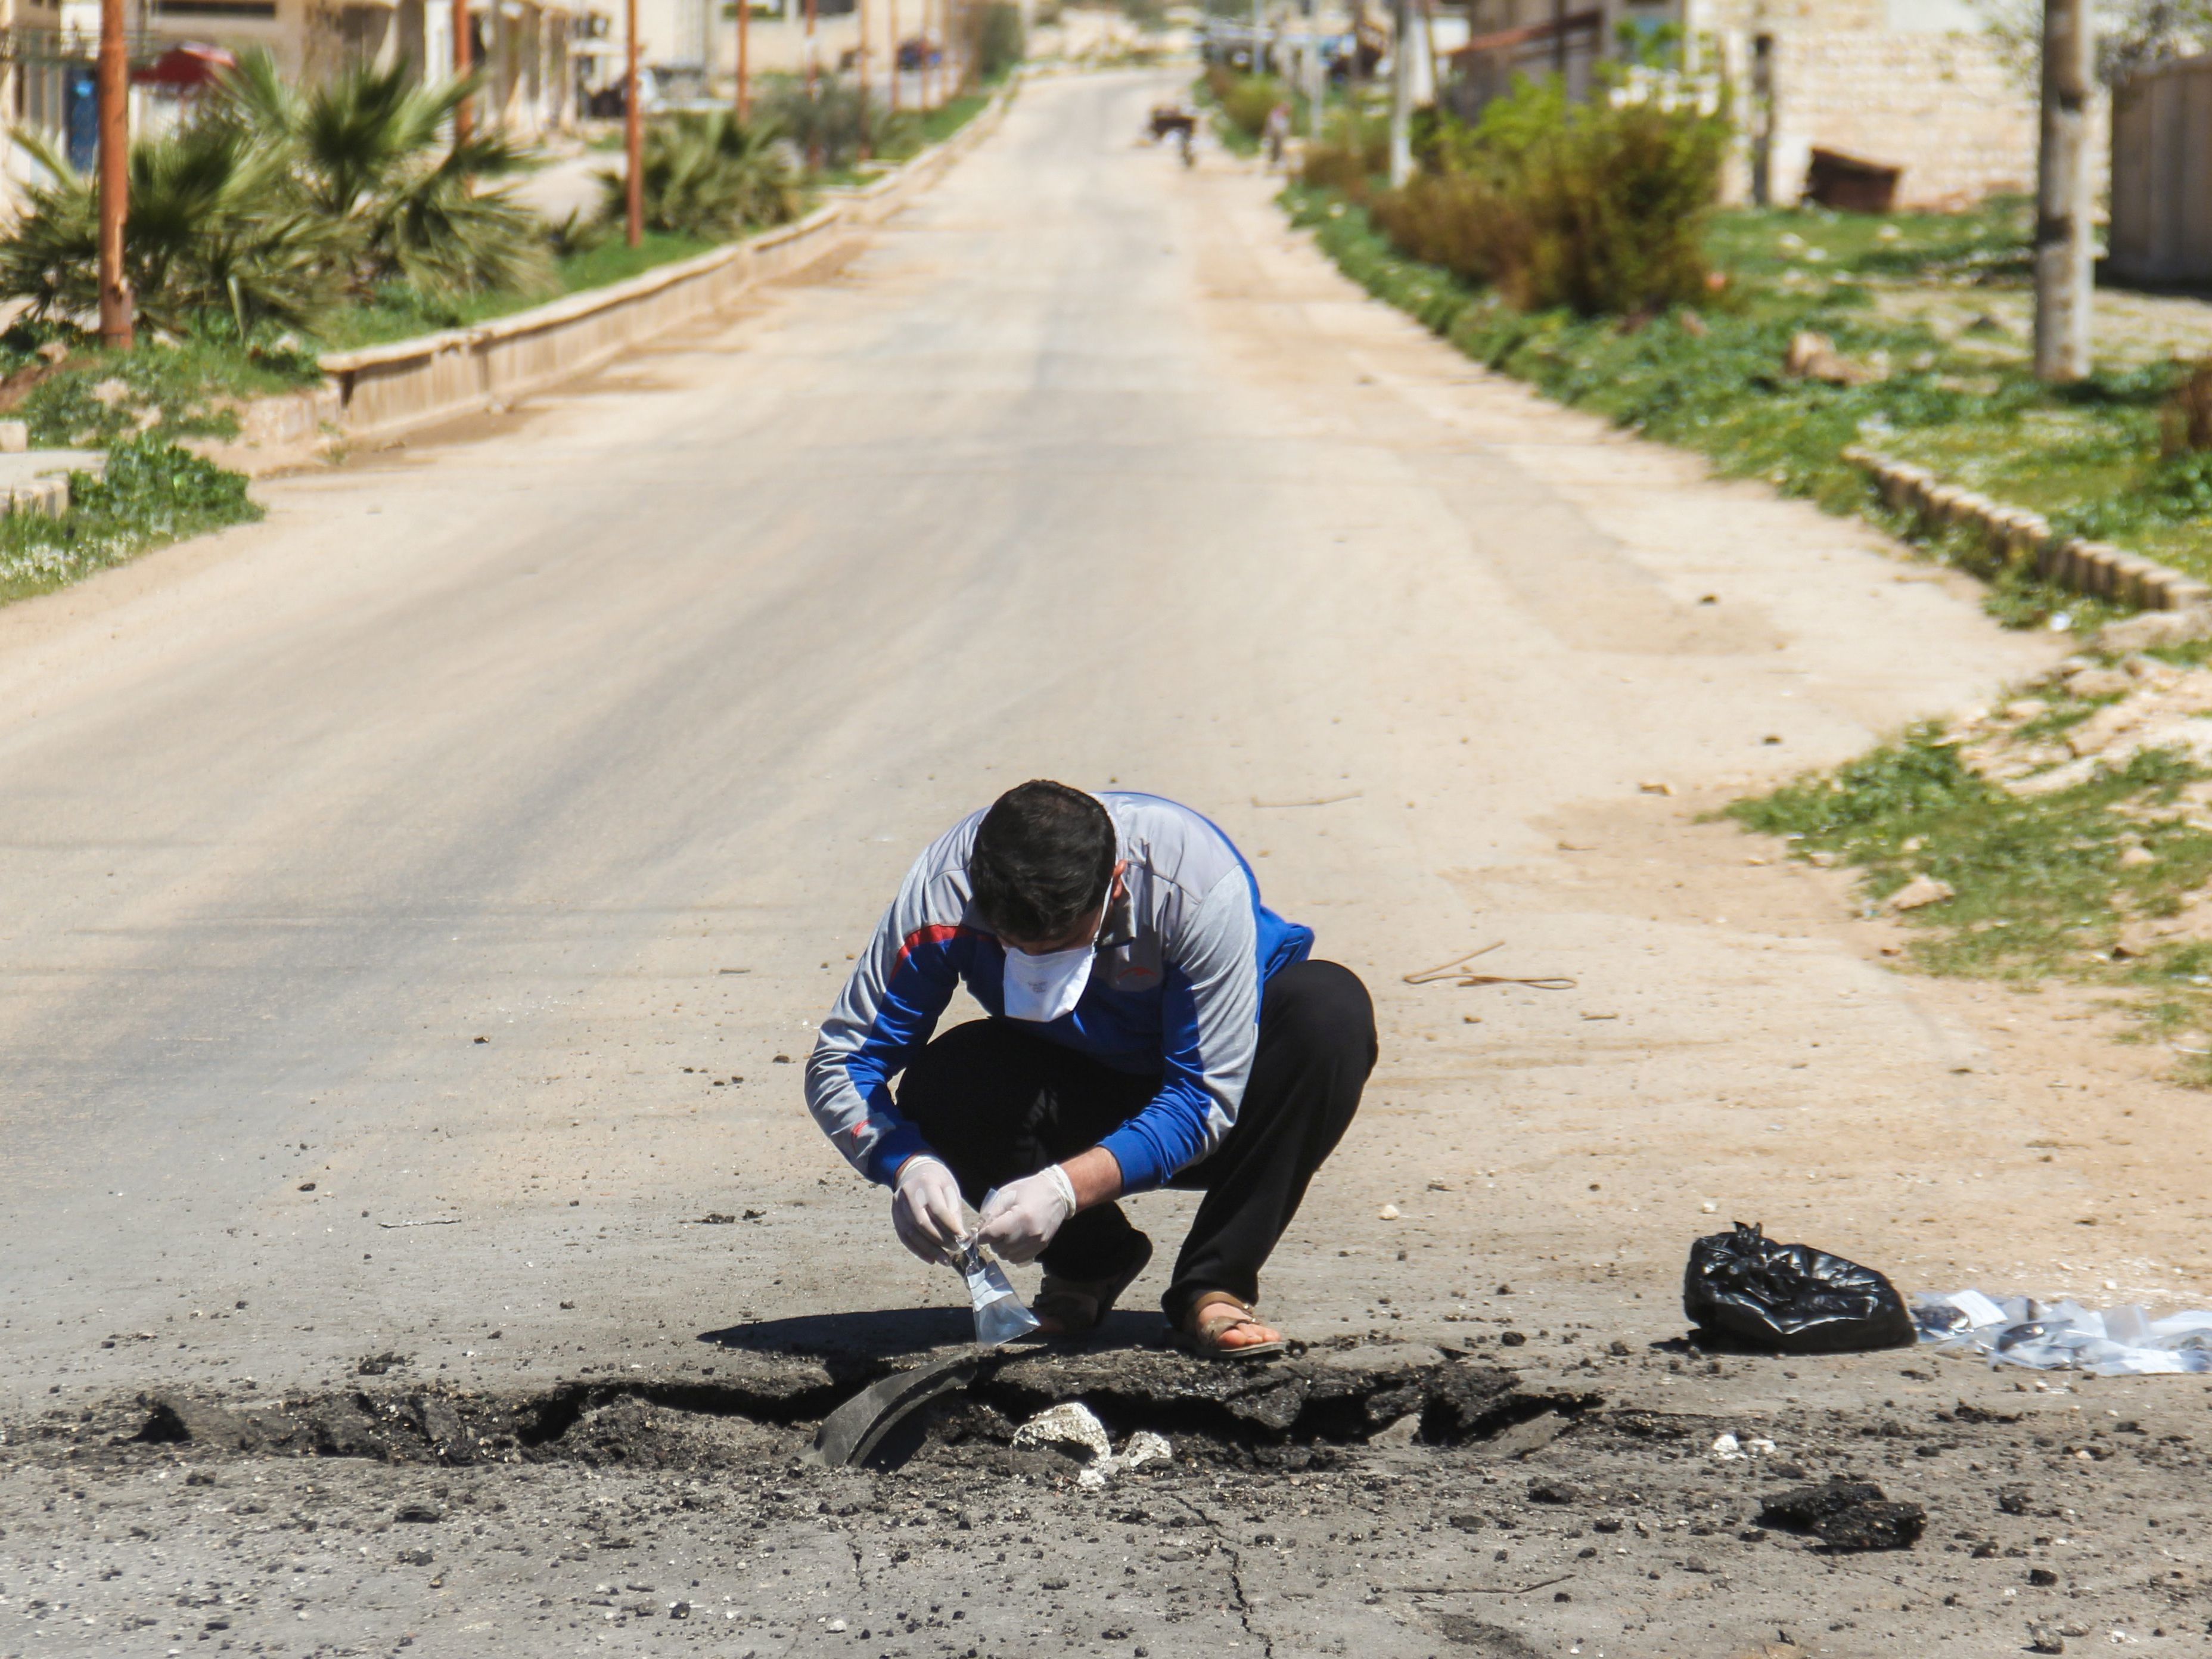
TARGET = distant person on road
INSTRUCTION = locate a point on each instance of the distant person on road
(1151, 1024)
(1278, 133)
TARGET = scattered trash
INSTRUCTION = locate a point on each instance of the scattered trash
(1847, 1515)
(1791, 1298)
(853, 1431)
(1729, 1449)
(1072, 1424)
(1069, 1424)
(1655, 787)
(2063, 1336)
(1000, 1315)
(432, 1221)
(1388, 1213)
(715, 1218)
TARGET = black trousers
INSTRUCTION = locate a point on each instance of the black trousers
(997, 1101)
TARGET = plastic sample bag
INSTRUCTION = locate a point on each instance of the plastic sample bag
(2063, 1336)
(1000, 1313)
(1791, 1298)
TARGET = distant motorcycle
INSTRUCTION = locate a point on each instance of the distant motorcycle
(1172, 120)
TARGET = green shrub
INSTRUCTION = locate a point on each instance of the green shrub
(836, 126)
(153, 492)
(1353, 152)
(999, 41)
(1599, 208)
(212, 231)
(707, 175)
(272, 206)
(1244, 100)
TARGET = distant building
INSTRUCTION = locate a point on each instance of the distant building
(531, 53)
(1911, 84)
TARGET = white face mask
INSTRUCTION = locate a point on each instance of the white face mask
(1044, 987)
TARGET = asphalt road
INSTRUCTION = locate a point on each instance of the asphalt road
(393, 894)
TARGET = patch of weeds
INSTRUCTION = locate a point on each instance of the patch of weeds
(1714, 381)
(2040, 887)
(155, 492)
(400, 311)
(93, 398)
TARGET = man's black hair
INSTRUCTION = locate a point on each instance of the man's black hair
(1043, 859)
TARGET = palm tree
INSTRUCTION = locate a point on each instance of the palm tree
(214, 229)
(368, 150)
(709, 175)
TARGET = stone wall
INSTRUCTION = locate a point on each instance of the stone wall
(1939, 106)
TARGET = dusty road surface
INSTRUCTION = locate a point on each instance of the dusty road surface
(415, 908)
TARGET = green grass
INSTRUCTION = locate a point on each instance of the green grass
(154, 493)
(2086, 455)
(400, 312)
(2041, 891)
(939, 124)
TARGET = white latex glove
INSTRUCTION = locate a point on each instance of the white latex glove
(925, 1209)
(1020, 1218)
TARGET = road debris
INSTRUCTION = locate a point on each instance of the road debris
(1791, 1298)
(1456, 971)
(2061, 1334)
(1846, 1516)
(1074, 1426)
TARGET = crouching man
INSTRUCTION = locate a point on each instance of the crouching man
(1151, 1024)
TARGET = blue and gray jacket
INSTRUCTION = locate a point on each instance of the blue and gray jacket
(1174, 990)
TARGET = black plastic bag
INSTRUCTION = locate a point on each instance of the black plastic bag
(1791, 1298)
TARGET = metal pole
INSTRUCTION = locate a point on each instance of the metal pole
(745, 60)
(2065, 274)
(465, 60)
(811, 68)
(114, 96)
(926, 79)
(633, 134)
(1401, 92)
(1559, 40)
(860, 11)
(893, 21)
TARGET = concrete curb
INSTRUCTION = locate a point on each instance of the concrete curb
(2016, 537)
(382, 392)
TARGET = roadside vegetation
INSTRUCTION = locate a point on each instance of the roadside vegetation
(1239, 105)
(1591, 261)
(2063, 835)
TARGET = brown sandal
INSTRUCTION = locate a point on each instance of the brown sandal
(1200, 1337)
(1079, 1305)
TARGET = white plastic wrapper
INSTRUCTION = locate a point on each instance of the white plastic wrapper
(1001, 1316)
(2063, 1336)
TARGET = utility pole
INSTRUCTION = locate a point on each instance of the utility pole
(464, 61)
(114, 97)
(1401, 92)
(2065, 272)
(860, 11)
(745, 60)
(1559, 40)
(812, 74)
(893, 21)
(926, 53)
(633, 133)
